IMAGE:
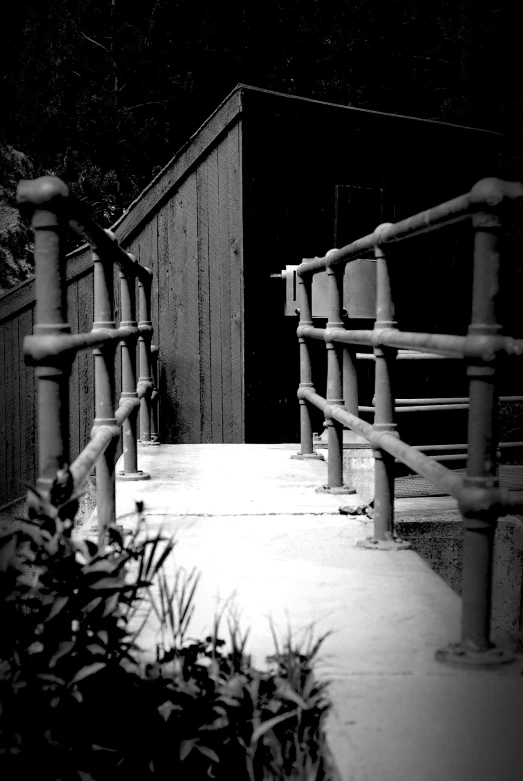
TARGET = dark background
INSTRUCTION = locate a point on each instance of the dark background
(103, 92)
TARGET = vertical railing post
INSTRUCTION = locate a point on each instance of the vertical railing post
(335, 278)
(350, 380)
(306, 434)
(144, 345)
(155, 437)
(104, 381)
(477, 502)
(46, 199)
(129, 389)
(385, 358)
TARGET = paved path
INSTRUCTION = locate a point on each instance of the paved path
(247, 516)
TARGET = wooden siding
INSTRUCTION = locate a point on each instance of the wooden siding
(192, 242)
(199, 295)
(17, 409)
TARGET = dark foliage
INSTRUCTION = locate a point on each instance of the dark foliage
(79, 701)
(103, 92)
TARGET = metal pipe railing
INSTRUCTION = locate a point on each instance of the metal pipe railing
(480, 499)
(52, 348)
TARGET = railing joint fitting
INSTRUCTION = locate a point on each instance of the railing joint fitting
(481, 501)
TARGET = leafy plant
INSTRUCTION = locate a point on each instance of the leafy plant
(79, 701)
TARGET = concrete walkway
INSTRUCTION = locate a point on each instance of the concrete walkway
(248, 518)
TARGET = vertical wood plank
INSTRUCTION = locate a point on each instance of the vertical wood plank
(74, 413)
(192, 346)
(236, 294)
(26, 407)
(204, 310)
(3, 413)
(164, 317)
(12, 386)
(215, 299)
(153, 265)
(85, 360)
(225, 265)
(171, 416)
(184, 306)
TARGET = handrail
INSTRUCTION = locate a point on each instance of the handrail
(480, 498)
(52, 348)
(486, 197)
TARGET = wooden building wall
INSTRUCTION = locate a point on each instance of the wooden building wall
(193, 243)
(296, 154)
(187, 227)
(254, 190)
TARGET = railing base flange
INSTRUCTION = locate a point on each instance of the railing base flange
(140, 475)
(316, 456)
(338, 489)
(458, 656)
(371, 543)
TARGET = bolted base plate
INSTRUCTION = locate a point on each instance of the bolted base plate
(458, 656)
(341, 489)
(133, 475)
(371, 543)
(316, 456)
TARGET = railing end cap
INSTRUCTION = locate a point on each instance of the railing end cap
(41, 192)
(491, 192)
(380, 230)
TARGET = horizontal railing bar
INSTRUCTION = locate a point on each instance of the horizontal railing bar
(446, 457)
(124, 409)
(410, 355)
(449, 457)
(143, 388)
(446, 213)
(39, 347)
(448, 344)
(427, 448)
(439, 475)
(463, 446)
(453, 400)
(421, 408)
(86, 459)
(102, 241)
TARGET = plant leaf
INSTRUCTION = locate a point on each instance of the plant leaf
(266, 726)
(50, 678)
(110, 604)
(64, 648)
(95, 649)
(208, 752)
(58, 604)
(186, 748)
(90, 669)
(108, 583)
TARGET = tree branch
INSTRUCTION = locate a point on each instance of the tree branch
(96, 43)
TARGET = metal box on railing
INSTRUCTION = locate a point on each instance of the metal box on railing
(359, 291)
